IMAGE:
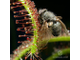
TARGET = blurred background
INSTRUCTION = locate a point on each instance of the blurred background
(60, 8)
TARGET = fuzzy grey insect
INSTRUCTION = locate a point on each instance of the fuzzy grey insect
(54, 22)
(46, 15)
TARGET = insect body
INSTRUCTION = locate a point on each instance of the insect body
(54, 22)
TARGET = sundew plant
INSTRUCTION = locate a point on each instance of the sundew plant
(39, 32)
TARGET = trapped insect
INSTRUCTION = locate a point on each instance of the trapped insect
(54, 23)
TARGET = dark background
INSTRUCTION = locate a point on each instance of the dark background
(59, 7)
